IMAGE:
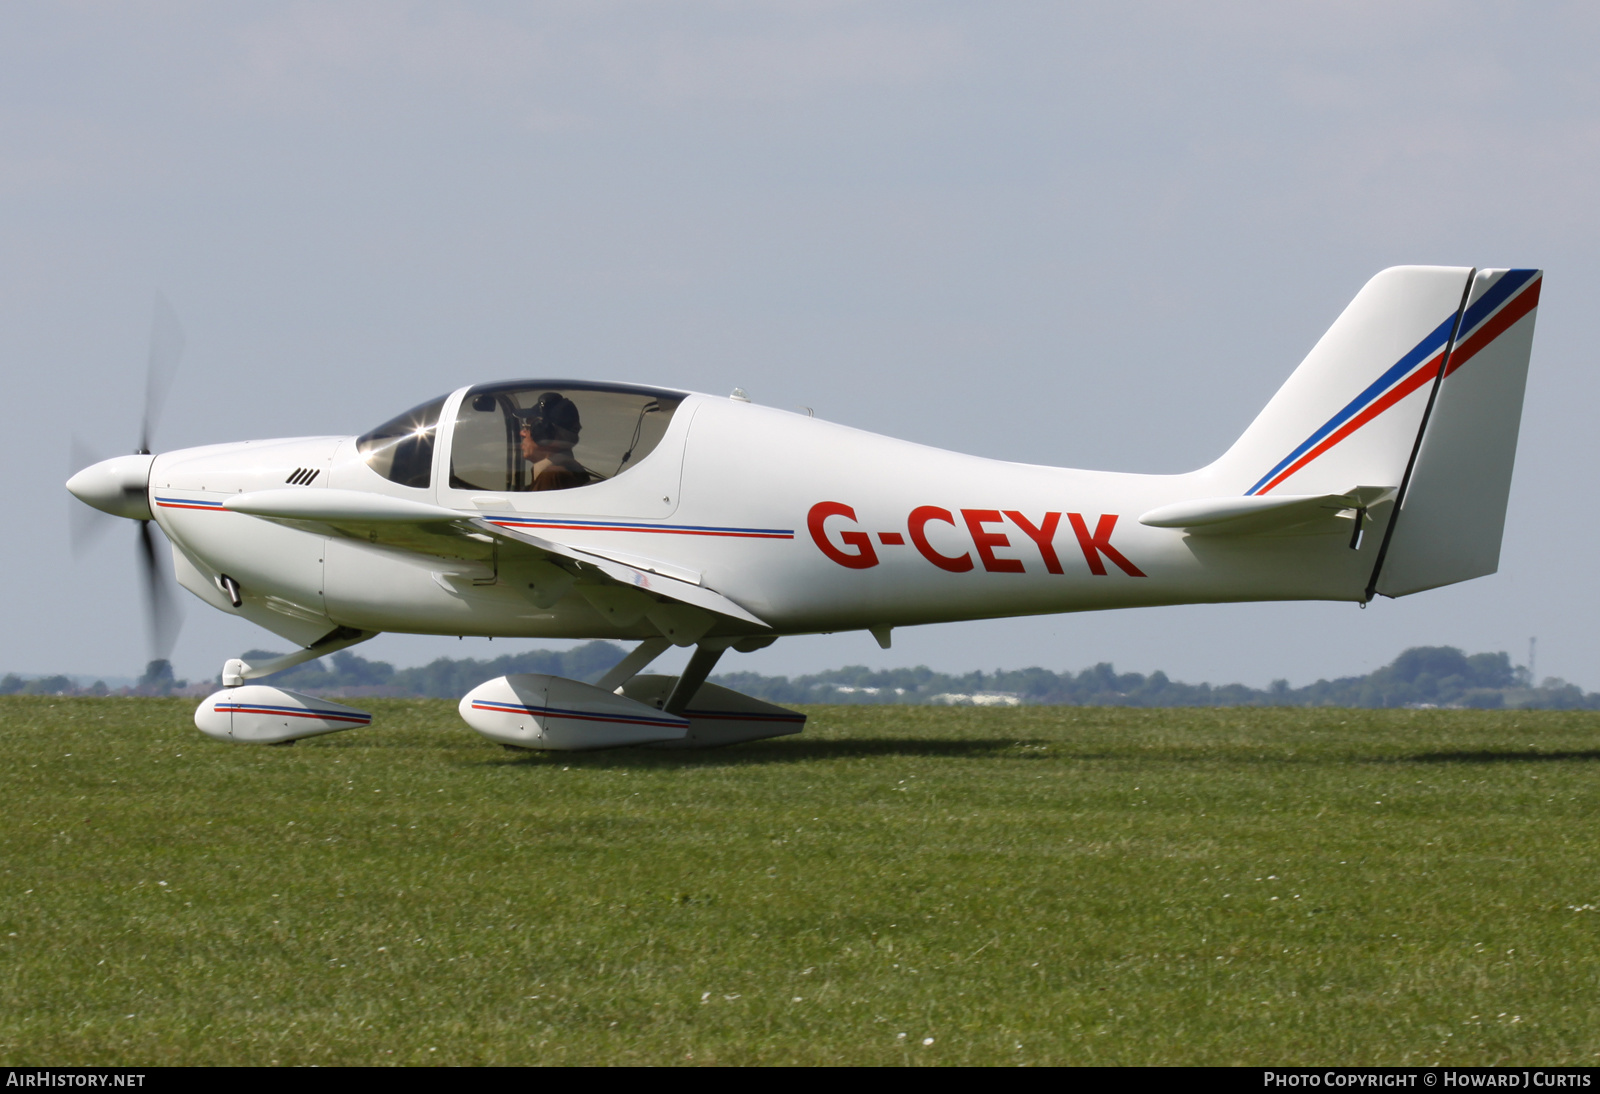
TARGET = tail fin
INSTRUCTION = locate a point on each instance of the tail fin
(1416, 387)
(1350, 414)
(1453, 509)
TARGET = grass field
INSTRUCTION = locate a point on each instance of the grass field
(1035, 885)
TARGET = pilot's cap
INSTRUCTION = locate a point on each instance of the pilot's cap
(552, 417)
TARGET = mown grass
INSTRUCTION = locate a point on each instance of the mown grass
(1045, 885)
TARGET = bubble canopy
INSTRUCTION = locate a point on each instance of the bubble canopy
(555, 434)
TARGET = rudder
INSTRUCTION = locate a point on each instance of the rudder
(1452, 516)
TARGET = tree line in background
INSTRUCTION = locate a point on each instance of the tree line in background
(1424, 676)
(157, 680)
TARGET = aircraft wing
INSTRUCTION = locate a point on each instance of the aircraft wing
(646, 574)
(548, 569)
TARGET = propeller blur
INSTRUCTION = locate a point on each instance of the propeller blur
(120, 486)
(582, 509)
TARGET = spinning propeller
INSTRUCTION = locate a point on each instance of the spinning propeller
(120, 486)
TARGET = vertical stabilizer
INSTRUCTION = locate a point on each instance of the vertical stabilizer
(1450, 521)
(1349, 415)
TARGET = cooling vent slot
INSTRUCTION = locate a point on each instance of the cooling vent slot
(303, 476)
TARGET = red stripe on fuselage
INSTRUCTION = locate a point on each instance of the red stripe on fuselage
(513, 525)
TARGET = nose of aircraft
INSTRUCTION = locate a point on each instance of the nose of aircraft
(119, 486)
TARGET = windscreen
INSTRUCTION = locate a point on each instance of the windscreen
(401, 449)
(555, 435)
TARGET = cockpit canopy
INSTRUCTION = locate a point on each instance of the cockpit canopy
(555, 434)
(526, 435)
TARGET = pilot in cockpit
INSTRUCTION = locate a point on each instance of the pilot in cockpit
(550, 428)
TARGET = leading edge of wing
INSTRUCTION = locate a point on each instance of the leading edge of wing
(353, 514)
(336, 505)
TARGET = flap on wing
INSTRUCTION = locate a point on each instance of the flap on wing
(434, 532)
(651, 582)
(1234, 516)
(654, 565)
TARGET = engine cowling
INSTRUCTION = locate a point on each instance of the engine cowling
(530, 710)
(258, 714)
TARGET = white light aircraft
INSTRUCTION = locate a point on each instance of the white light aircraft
(578, 509)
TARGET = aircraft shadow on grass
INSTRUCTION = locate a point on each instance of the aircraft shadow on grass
(1499, 756)
(777, 753)
(1029, 749)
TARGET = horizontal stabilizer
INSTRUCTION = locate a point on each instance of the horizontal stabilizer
(1251, 515)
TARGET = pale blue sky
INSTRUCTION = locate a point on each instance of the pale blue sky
(1097, 237)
